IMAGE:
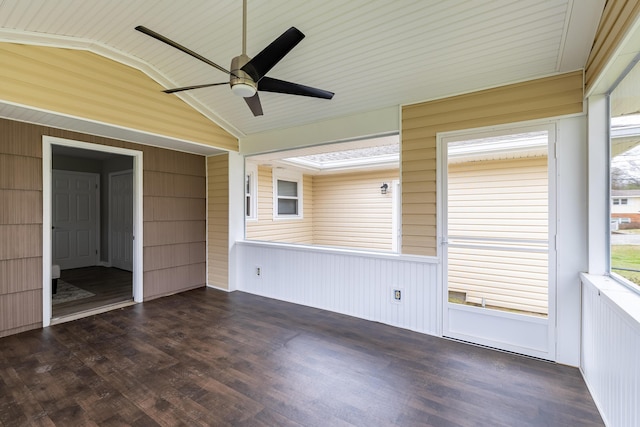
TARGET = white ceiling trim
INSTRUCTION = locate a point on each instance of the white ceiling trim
(51, 40)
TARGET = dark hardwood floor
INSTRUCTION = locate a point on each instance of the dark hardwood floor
(208, 358)
(109, 286)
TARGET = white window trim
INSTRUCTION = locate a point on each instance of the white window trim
(251, 170)
(287, 175)
(599, 192)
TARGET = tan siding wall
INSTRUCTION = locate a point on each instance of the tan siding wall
(218, 220)
(20, 232)
(281, 230)
(500, 199)
(617, 19)
(174, 221)
(549, 97)
(348, 210)
(83, 84)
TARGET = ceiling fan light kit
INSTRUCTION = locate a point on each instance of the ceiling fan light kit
(241, 83)
(247, 75)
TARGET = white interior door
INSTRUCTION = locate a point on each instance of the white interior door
(498, 220)
(121, 219)
(74, 219)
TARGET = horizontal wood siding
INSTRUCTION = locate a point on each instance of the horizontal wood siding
(281, 230)
(174, 220)
(218, 221)
(617, 20)
(501, 199)
(83, 84)
(350, 211)
(536, 99)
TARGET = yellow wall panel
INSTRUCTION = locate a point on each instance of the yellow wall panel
(83, 84)
(536, 99)
(218, 221)
(617, 19)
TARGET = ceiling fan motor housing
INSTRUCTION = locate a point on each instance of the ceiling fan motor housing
(241, 83)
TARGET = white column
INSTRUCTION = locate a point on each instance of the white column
(598, 183)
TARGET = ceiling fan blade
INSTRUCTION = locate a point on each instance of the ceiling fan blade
(267, 84)
(272, 54)
(178, 46)
(180, 89)
(254, 104)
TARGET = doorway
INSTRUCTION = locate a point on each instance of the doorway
(497, 219)
(79, 275)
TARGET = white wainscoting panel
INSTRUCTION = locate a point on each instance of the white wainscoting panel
(610, 349)
(347, 282)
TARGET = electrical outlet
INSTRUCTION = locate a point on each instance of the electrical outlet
(397, 295)
(259, 271)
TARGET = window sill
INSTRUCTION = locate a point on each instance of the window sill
(288, 218)
(623, 298)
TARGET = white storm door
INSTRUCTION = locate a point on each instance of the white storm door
(74, 219)
(121, 219)
(498, 219)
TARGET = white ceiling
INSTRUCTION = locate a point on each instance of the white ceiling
(372, 54)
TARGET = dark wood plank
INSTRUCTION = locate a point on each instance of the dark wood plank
(206, 357)
(109, 286)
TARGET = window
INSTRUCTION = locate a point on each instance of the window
(624, 181)
(287, 195)
(250, 192)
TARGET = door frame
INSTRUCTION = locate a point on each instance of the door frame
(549, 353)
(47, 143)
(96, 195)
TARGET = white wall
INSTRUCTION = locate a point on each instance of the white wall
(356, 284)
(571, 226)
(236, 212)
(611, 345)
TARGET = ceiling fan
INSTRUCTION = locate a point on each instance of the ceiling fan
(248, 75)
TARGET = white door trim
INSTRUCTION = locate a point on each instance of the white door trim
(47, 143)
(545, 326)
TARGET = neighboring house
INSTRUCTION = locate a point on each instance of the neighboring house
(191, 204)
(625, 208)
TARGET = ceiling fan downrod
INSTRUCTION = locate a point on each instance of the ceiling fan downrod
(241, 83)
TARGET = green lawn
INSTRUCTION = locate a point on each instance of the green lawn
(626, 256)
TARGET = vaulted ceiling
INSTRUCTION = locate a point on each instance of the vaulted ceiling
(372, 54)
